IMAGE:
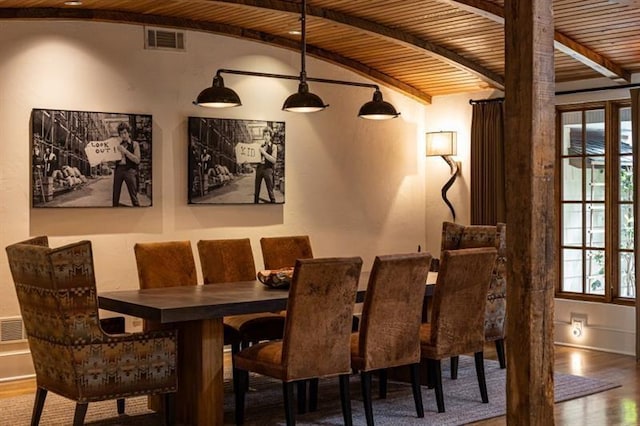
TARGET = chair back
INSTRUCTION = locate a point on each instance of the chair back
(282, 252)
(56, 291)
(318, 322)
(454, 237)
(459, 300)
(165, 264)
(392, 311)
(226, 260)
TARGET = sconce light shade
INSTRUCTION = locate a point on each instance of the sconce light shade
(378, 109)
(303, 101)
(218, 96)
(441, 143)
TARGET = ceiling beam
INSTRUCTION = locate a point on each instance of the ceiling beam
(563, 43)
(396, 35)
(217, 28)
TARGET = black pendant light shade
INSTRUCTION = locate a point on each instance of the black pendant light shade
(378, 109)
(303, 101)
(218, 96)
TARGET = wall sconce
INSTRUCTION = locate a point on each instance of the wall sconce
(444, 145)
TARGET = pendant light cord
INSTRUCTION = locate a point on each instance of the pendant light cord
(303, 50)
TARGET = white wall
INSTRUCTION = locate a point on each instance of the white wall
(357, 187)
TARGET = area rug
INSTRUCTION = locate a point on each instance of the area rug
(264, 402)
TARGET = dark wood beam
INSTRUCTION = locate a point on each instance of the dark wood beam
(563, 43)
(217, 28)
(396, 35)
(531, 244)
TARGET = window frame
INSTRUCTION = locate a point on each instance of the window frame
(612, 204)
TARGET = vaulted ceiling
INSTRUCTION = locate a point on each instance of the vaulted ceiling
(422, 48)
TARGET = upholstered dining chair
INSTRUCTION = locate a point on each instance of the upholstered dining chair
(457, 316)
(164, 264)
(171, 263)
(282, 252)
(71, 353)
(454, 237)
(232, 260)
(389, 335)
(316, 335)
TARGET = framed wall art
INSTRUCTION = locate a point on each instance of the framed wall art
(236, 161)
(90, 159)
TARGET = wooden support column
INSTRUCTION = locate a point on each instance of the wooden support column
(531, 244)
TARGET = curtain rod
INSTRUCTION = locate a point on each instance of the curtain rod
(564, 92)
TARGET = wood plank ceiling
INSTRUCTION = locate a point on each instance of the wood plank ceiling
(422, 48)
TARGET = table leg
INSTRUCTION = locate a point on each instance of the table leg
(200, 399)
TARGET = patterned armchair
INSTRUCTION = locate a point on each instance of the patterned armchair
(455, 236)
(71, 353)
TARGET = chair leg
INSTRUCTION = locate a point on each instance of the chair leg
(302, 396)
(235, 348)
(500, 350)
(81, 411)
(120, 404)
(436, 368)
(415, 387)
(289, 412)
(38, 405)
(345, 400)
(382, 392)
(313, 394)
(479, 357)
(365, 383)
(241, 377)
(454, 367)
(169, 409)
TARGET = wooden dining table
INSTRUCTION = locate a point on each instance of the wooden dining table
(197, 312)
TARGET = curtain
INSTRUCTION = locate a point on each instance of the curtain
(488, 205)
(635, 137)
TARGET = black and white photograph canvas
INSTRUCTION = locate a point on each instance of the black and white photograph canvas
(90, 159)
(236, 161)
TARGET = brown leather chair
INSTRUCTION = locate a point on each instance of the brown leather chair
(71, 353)
(232, 260)
(171, 263)
(391, 318)
(282, 252)
(457, 316)
(454, 237)
(164, 264)
(316, 336)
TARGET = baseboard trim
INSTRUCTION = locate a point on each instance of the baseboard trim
(16, 365)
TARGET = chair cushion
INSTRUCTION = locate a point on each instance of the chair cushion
(263, 358)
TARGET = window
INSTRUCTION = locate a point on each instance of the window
(596, 202)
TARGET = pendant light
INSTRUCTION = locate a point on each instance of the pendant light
(219, 96)
(303, 100)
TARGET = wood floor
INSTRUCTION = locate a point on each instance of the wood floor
(620, 406)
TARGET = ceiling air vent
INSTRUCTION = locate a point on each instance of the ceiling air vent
(163, 39)
(12, 330)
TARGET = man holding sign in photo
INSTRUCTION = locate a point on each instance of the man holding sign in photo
(268, 157)
(126, 169)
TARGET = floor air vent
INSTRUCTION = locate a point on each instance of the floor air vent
(163, 39)
(12, 330)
